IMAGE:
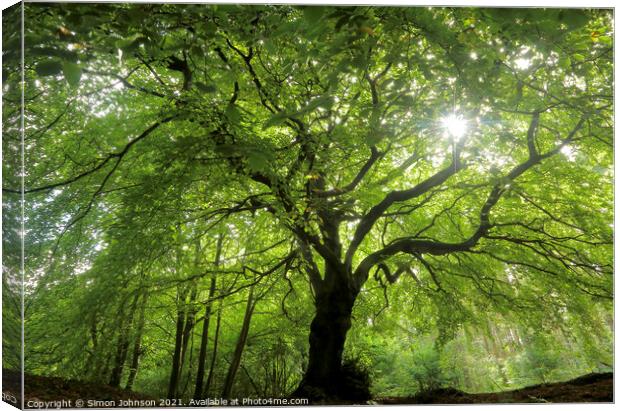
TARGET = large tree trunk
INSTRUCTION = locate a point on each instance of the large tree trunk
(325, 379)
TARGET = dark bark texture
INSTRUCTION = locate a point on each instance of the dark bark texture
(327, 378)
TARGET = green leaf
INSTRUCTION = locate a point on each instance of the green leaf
(565, 63)
(206, 88)
(287, 28)
(48, 68)
(258, 160)
(197, 52)
(574, 18)
(323, 101)
(72, 73)
(360, 61)
(373, 137)
(313, 14)
(210, 28)
(131, 44)
(233, 114)
(227, 150)
(275, 120)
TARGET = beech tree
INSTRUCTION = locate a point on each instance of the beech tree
(467, 149)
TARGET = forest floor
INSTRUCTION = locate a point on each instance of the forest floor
(588, 388)
(45, 389)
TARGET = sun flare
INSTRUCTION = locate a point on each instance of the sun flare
(455, 125)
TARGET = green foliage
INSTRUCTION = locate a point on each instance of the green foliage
(49, 68)
(312, 141)
(72, 73)
(406, 359)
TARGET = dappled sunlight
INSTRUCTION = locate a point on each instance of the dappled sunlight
(339, 204)
(569, 152)
(523, 63)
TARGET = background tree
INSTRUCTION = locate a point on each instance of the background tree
(468, 149)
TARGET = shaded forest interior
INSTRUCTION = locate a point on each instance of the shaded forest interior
(333, 203)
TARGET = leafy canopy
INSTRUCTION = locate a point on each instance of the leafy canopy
(326, 132)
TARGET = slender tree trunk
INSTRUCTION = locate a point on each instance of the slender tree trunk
(190, 321)
(243, 336)
(92, 358)
(118, 351)
(324, 378)
(123, 346)
(202, 357)
(137, 346)
(189, 370)
(119, 359)
(106, 367)
(186, 317)
(216, 339)
(178, 343)
(99, 372)
(93, 331)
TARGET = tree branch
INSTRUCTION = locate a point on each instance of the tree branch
(369, 219)
(415, 246)
(99, 166)
(374, 156)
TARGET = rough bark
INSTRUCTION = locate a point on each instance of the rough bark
(325, 378)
